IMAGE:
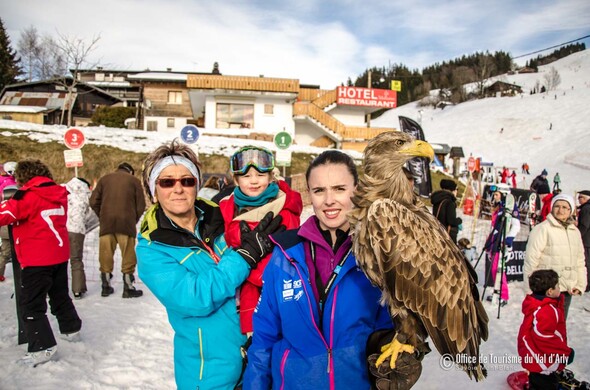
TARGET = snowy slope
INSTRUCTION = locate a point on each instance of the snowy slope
(526, 119)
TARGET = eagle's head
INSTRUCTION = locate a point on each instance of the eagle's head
(387, 153)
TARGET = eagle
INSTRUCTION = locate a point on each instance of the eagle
(427, 283)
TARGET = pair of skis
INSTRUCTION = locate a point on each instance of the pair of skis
(505, 227)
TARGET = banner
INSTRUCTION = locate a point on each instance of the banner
(418, 166)
(521, 199)
(514, 264)
(367, 97)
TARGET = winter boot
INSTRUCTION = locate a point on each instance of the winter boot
(33, 359)
(106, 284)
(129, 291)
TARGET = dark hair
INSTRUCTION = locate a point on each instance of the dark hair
(333, 156)
(127, 167)
(212, 182)
(542, 280)
(84, 181)
(28, 169)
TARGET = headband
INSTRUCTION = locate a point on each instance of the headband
(172, 160)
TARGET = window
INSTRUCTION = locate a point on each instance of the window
(234, 116)
(170, 123)
(174, 97)
(152, 125)
(269, 109)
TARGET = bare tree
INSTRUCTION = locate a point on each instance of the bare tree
(483, 69)
(29, 47)
(553, 79)
(75, 53)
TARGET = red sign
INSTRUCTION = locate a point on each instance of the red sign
(367, 97)
(74, 139)
(471, 164)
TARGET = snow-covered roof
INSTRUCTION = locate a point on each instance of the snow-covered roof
(23, 109)
(105, 84)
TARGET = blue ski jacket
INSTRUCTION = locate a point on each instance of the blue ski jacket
(292, 346)
(198, 293)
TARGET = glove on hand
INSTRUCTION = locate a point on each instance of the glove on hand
(509, 241)
(255, 243)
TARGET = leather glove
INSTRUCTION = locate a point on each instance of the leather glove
(255, 243)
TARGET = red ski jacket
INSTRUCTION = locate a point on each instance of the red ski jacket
(38, 212)
(542, 338)
(289, 205)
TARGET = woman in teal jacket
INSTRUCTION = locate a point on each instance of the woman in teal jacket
(183, 259)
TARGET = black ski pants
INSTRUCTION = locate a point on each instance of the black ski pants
(37, 284)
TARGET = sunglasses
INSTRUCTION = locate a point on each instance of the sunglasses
(261, 159)
(184, 181)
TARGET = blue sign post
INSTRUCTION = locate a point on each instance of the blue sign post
(189, 134)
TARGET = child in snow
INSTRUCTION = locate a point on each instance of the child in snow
(542, 338)
(256, 193)
(469, 251)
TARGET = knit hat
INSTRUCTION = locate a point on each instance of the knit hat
(446, 184)
(544, 173)
(567, 198)
(585, 192)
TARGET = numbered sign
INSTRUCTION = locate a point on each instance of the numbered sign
(283, 140)
(74, 139)
(189, 134)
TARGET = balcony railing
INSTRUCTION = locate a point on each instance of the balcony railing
(243, 83)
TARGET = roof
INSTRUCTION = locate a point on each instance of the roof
(42, 100)
(457, 151)
(23, 109)
(161, 76)
(441, 148)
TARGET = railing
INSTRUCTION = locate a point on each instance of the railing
(242, 83)
(313, 111)
(326, 99)
(363, 133)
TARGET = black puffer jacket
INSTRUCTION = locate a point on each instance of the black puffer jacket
(444, 207)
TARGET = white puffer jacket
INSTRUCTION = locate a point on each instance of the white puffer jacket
(552, 246)
(78, 206)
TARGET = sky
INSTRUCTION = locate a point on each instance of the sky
(127, 344)
(318, 42)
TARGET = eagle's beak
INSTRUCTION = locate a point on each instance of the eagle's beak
(419, 149)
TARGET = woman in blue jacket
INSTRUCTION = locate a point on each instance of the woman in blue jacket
(183, 259)
(317, 308)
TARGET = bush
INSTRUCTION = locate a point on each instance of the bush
(113, 116)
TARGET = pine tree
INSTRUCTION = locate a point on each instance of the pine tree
(9, 63)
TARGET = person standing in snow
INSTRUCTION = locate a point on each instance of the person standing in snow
(496, 239)
(556, 181)
(38, 214)
(184, 260)
(119, 203)
(6, 180)
(78, 209)
(444, 207)
(542, 337)
(556, 244)
(584, 227)
(513, 177)
(540, 184)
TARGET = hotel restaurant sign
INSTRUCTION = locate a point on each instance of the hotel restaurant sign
(367, 97)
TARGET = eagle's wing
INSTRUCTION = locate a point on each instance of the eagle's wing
(408, 254)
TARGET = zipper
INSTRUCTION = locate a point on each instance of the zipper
(202, 355)
(283, 363)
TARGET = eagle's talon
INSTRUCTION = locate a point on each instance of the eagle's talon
(393, 350)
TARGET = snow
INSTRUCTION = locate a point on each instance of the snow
(127, 343)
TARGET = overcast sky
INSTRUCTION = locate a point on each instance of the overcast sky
(318, 42)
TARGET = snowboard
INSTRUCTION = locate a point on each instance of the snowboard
(518, 380)
(532, 209)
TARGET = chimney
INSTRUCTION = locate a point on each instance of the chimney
(169, 69)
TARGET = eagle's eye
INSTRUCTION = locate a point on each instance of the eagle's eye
(399, 142)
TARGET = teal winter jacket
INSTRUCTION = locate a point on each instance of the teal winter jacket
(198, 292)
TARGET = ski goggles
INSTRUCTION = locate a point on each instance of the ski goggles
(261, 159)
(495, 188)
(184, 181)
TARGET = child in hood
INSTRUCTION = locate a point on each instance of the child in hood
(257, 192)
(542, 338)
